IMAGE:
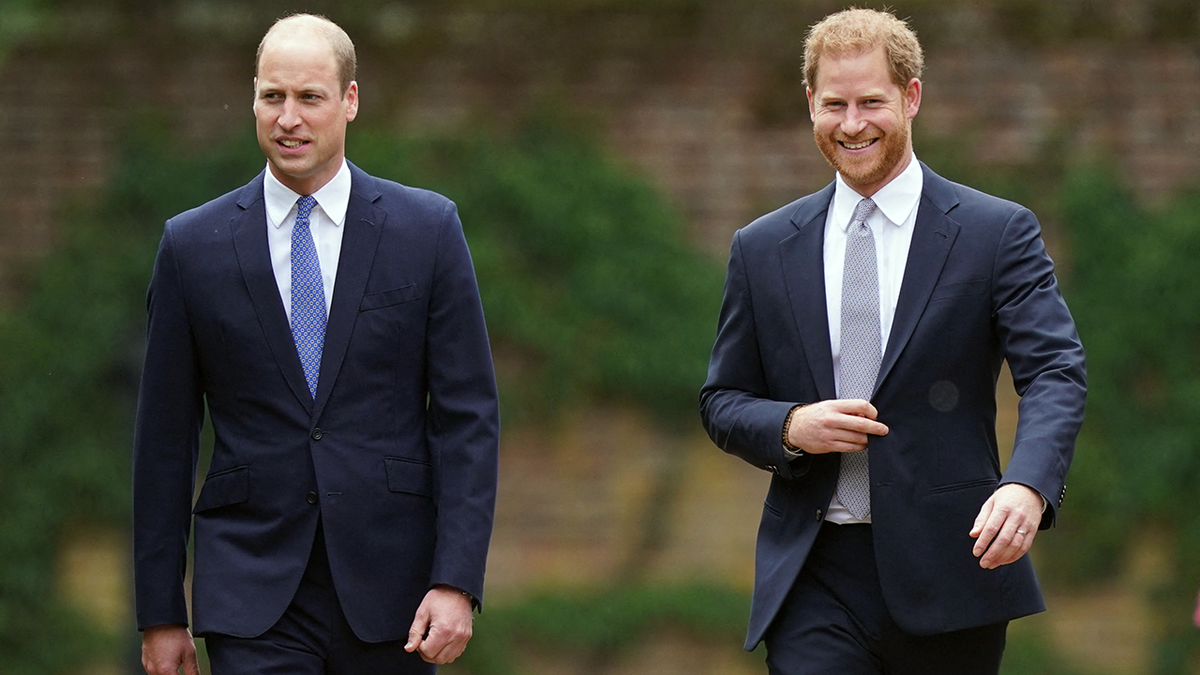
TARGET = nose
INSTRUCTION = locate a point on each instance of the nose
(853, 123)
(289, 116)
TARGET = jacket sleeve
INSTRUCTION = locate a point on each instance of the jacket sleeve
(166, 448)
(735, 407)
(463, 424)
(1045, 356)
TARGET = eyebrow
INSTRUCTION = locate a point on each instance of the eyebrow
(307, 88)
(873, 94)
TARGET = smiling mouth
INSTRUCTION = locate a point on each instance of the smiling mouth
(291, 144)
(857, 146)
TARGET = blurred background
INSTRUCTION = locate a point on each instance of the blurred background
(602, 152)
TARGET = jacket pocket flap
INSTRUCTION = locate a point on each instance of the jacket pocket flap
(409, 475)
(388, 298)
(231, 486)
(966, 485)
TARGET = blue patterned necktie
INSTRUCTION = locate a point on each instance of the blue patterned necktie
(860, 350)
(308, 296)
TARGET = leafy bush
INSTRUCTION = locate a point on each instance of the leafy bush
(1137, 303)
(601, 625)
(589, 287)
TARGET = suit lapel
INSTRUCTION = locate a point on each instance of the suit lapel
(933, 236)
(803, 259)
(249, 229)
(364, 222)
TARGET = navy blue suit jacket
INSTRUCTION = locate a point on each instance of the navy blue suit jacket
(397, 454)
(978, 289)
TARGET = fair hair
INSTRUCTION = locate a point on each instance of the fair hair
(857, 31)
(315, 24)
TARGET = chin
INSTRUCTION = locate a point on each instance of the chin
(862, 175)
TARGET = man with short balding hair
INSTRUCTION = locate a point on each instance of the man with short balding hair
(858, 348)
(330, 323)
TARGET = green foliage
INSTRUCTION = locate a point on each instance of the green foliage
(67, 400)
(589, 289)
(1028, 653)
(1138, 310)
(1137, 304)
(22, 19)
(602, 624)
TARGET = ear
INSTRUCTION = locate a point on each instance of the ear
(912, 98)
(352, 102)
(812, 113)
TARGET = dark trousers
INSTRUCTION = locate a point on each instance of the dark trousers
(834, 622)
(312, 638)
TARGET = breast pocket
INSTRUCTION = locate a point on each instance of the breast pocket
(384, 299)
(960, 289)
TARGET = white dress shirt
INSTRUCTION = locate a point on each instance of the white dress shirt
(325, 222)
(892, 225)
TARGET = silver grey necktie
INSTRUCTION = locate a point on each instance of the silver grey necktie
(860, 350)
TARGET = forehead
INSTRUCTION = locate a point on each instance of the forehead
(854, 74)
(298, 59)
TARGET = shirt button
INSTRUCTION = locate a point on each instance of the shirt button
(317, 434)
(311, 498)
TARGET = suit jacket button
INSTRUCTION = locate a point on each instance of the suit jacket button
(317, 434)
(819, 515)
(311, 498)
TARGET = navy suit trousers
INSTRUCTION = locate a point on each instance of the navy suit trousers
(312, 638)
(835, 622)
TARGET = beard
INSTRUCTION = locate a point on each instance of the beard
(867, 171)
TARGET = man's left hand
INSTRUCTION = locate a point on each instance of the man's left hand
(442, 626)
(1006, 525)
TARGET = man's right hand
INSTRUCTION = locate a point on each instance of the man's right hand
(166, 648)
(836, 425)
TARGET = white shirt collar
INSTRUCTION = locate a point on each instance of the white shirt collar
(333, 197)
(896, 200)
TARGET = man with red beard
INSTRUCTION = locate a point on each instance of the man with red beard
(859, 343)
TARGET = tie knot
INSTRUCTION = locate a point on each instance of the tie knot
(861, 212)
(305, 206)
